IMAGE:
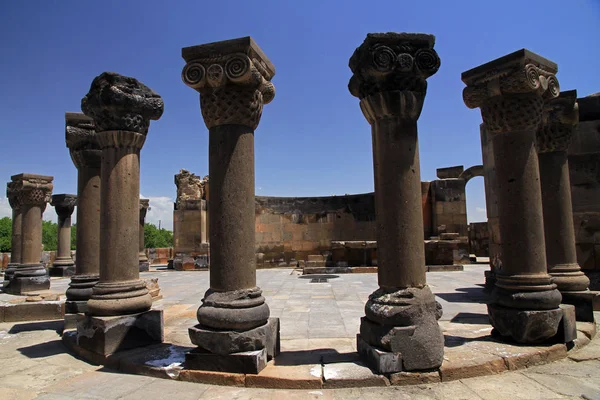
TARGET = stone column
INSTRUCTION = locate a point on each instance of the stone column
(34, 193)
(122, 109)
(510, 92)
(15, 253)
(553, 138)
(389, 77)
(144, 265)
(84, 148)
(231, 72)
(63, 265)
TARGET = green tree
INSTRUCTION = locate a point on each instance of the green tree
(156, 238)
(5, 234)
(49, 235)
(74, 237)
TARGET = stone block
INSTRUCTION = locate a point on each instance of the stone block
(19, 284)
(248, 362)
(525, 326)
(567, 329)
(414, 378)
(212, 378)
(33, 311)
(445, 268)
(71, 321)
(350, 374)
(107, 335)
(583, 302)
(380, 361)
(144, 266)
(228, 342)
(302, 376)
(61, 270)
(449, 172)
(449, 236)
(75, 307)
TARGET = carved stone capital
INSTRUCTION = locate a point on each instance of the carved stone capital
(390, 72)
(82, 140)
(144, 207)
(12, 193)
(559, 118)
(233, 78)
(64, 204)
(33, 189)
(511, 90)
(121, 103)
(120, 139)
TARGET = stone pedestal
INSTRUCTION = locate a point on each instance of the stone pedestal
(554, 136)
(63, 265)
(231, 72)
(107, 335)
(389, 78)
(14, 200)
(122, 109)
(34, 193)
(510, 92)
(85, 151)
(144, 264)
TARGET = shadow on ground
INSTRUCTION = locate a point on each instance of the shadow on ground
(56, 325)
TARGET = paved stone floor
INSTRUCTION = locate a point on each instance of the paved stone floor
(35, 365)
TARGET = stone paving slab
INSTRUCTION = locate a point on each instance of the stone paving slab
(34, 361)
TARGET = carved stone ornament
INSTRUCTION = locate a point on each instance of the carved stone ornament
(390, 72)
(12, 193)
(559, 118)
(64, 204)
(233, 78)
(121, 103)
(33, 189)
(511, 90)
(82, 140)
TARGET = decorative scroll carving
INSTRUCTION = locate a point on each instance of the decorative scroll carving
(82, 140)
(559, 118)
(121, 103)
(511, 91)
(233, 85)
(12, 193)
(390, 74)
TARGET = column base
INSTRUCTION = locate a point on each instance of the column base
(119, 298)
(28, 278)
(221, 342)
(249, 362)
(490, 281)
(144, 266)
(525, 326)
(79, 292)
(9, 272)
(583, 302)
(107, 335)
(62, 270)
(380, 361)
(71, 320)
(404, 321)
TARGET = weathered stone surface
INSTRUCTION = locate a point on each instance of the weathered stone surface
(347, 375)
(525, 326)
(414, 378)
(213, 378)
(107, 335)
(304, 376)
(249, 362)
(567, 329)
(118, 102)
(190, 187)
(32, 311)
(382, 362)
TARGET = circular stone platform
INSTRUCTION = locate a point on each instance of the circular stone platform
(319, 322)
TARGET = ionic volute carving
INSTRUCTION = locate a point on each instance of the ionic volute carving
(33, 190)
(233, 79)
(82, 140)
(511, 91)
(390, 72)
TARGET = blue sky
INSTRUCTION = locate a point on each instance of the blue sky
(313, 139)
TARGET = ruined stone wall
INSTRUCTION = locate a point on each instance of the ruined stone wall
(584, 167)
(479, 239)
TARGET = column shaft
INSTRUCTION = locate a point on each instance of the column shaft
(64, 237)
(231, 169)
(16, 239)
(31, 228)
(119, 220)
(401, 252)
(88, 221)
(519, 204)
